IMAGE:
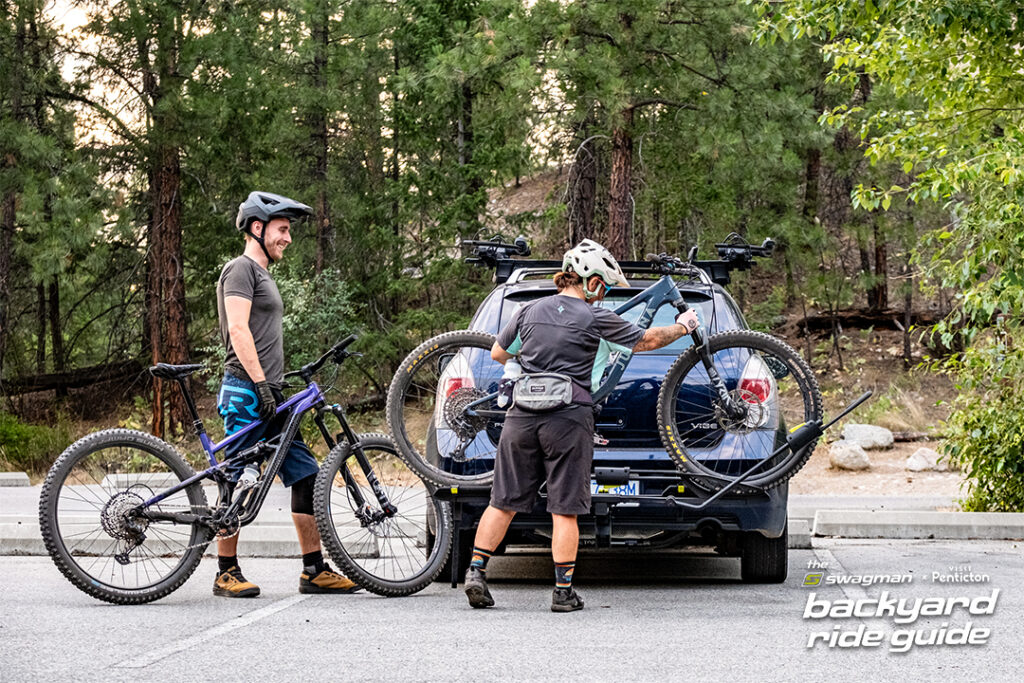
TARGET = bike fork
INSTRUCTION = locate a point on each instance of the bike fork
(733, 410)
(386, 506)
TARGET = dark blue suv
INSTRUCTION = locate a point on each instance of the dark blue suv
(751, 526)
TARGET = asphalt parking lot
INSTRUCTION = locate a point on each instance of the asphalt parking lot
(665, 617)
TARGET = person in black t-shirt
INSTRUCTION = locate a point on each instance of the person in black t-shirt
(565, 334)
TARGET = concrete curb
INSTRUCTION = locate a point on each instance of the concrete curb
(14, 479)
(919, 524)
(258, 540)
(799, 534)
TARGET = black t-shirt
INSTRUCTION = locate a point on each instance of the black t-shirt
(566, 335)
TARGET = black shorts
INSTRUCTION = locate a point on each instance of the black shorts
(557, 447)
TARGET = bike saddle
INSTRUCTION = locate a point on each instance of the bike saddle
(165, 371)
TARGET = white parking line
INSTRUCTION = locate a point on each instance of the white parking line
(153, 656)
(851, 591)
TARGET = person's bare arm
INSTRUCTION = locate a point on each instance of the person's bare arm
(237, 309)
(499, 354)
(657, 337)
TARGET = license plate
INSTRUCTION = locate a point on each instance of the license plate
(631, 488)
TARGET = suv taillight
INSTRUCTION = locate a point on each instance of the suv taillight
(757, 387)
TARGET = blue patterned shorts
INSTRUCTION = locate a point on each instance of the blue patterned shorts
(238, 405)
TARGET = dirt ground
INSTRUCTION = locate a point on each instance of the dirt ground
(886, 477)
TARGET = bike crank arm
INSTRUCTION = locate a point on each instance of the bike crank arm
(799, 437)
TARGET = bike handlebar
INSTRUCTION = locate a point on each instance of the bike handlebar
(497, 248)
(336, 353)
(736, 252)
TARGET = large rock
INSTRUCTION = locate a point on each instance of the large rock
(926, 460)
(868, 437)
(846, 455)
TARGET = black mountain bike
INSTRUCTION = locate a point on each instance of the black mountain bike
(126, 518)
(739, 407)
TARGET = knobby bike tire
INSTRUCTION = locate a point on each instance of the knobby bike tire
(425, 353)
(785, 465)
(346, 543)
(57, 546)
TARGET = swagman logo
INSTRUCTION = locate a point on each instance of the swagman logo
(813, 579)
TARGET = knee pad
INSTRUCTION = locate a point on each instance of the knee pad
(302, 495)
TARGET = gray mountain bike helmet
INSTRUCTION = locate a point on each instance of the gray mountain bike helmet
(264, 207)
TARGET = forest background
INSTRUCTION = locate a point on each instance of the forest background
(878, 142)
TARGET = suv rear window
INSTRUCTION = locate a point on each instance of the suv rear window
(721, 317)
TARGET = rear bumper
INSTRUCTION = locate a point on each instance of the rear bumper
(640, 521)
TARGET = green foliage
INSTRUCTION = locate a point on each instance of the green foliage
(763, 315)
(318, 314)
(32, 448)
(985, 433)
(959, 143)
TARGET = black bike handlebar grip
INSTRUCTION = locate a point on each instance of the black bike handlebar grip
(522, 245)
(345, 342)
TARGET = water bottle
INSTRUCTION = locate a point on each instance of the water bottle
(250, 475)
(508, 379)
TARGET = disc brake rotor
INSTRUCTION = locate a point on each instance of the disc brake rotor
(755, 413)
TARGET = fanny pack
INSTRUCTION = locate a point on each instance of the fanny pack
(541, 392)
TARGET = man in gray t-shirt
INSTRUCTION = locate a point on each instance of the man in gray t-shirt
(245, 278)
(565, 334)
(250, 311)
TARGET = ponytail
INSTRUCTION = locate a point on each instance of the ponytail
(564, 280)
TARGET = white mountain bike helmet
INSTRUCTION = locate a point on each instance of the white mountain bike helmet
(587, 259)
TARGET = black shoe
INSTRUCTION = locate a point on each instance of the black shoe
(476, 588)
(565, 600)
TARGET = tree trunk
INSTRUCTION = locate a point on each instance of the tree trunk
(879, 296)
(908, 305)
(865, 267)
(40, 328)
(57, 334)
(154, 298)
(175, 340)
(582, 183)
(320, 33)
(9, 201)
(620, 198)
(469, 224)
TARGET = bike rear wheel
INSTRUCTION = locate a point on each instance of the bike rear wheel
(427, 409)
(90, 528)
(763, 375)
(389, 554)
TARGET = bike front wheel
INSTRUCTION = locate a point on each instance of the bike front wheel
(773, 386)
(378, 518)
(434, 404)
(90, 521)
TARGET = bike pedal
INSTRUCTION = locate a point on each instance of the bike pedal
(600, 440)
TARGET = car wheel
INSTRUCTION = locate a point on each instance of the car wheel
(764, 560)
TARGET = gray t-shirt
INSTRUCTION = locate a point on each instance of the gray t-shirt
(567, 335)
(245, 278)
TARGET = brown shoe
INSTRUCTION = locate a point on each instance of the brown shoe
(327, 581)
(231, 584)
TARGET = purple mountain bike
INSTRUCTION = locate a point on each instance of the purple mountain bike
(125, 517)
